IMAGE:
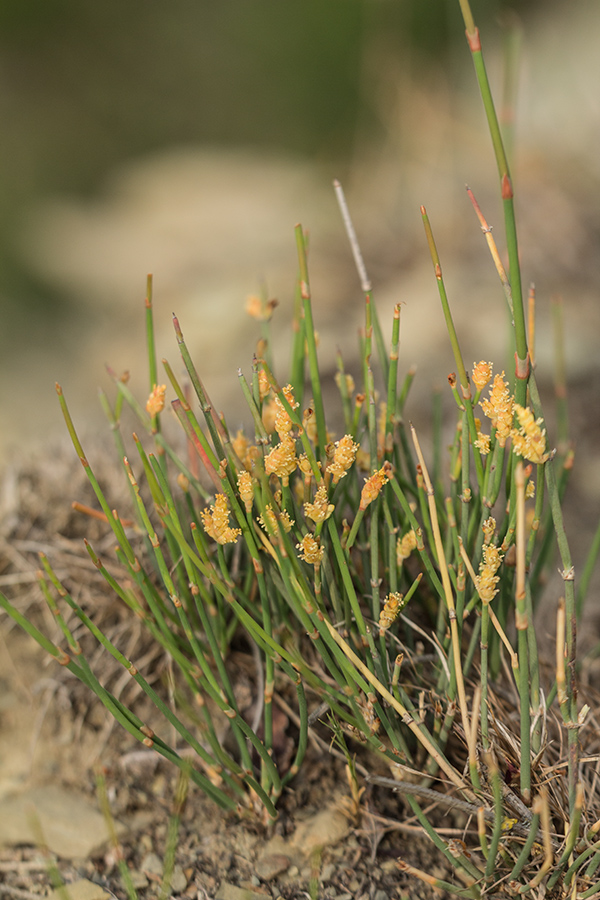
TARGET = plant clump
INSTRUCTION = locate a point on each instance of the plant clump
(396, 596)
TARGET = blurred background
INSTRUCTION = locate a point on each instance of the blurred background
(187, 138)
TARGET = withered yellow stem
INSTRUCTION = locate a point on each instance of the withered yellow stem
(431, 748)
(540, 806)
(487, 231)
(439, 547)
(467, 562)
(514, 658)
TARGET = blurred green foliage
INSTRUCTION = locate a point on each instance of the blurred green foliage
(85, 85)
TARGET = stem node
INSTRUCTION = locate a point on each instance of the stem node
(507, 189)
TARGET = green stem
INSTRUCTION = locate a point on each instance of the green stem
(522, 358)
(313, 363)
(460, 366)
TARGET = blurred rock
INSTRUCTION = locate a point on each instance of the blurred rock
(81, 890)
(69, 825)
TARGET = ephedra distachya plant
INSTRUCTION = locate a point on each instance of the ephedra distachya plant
(376, 595)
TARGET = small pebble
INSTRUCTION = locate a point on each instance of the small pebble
(82, 890)
(152, 866)
(178, 880)
(271, 866)
(232, 892)
(327, 872)
(389, 865)
(138, 879)
(146, 843)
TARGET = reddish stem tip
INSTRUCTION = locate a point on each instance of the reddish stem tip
(177, 328)
(507, 191)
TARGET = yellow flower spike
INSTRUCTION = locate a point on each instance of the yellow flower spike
(320, 510)
(373, 485)
(156, 401)
(392, 606)
(483, 443)
(288, 393)
(287, 523)
(343, 457)
(530, 490)
(244, 482)
(283, 423)
(482, 372)
(529, 441)
(251, 456)
(254, 307)
(269, 521)
(244, 450)
(216, 522)
(499, 408)
(487, 580)
(309, 423)
(240, 444)
(489, 529)
(310, 551)
(282, 460)
(349, 382)
(269, 414)
(305, 467)
(405, 546)
(264, 385)
(259, 310)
